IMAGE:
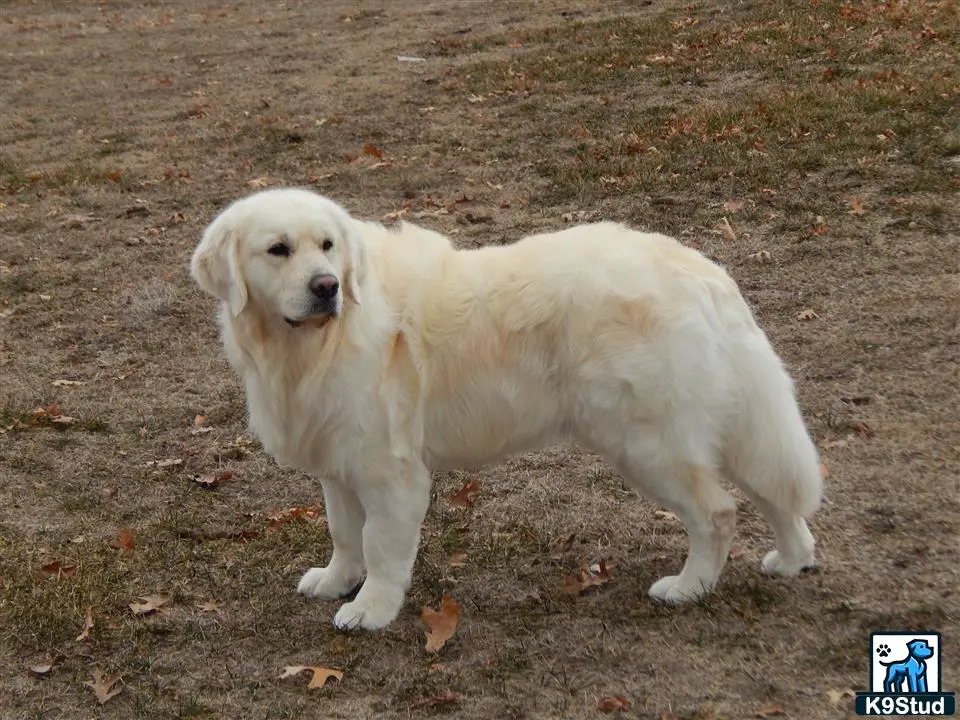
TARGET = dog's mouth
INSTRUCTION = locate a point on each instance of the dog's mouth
(315, 321)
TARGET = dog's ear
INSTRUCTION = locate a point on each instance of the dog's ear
(356, 261)
(215, 265)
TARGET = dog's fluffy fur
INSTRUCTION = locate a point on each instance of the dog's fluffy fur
(431, 358)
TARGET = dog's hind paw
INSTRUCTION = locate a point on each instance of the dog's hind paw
(325, 584)
(668, 590)
(775, 564)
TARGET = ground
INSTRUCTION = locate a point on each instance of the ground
(811, 147)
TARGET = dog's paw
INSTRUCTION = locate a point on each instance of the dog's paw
(371, 610)
(325, 584)
(775, 564)
(670, 591)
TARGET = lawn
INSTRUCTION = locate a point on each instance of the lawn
(811, 147)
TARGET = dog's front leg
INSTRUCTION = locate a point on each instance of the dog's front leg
(395, 504)
(345, 570)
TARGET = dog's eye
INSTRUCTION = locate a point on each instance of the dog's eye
(279, 249)
(327, 244)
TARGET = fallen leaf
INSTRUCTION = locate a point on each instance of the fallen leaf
(445, 699)
(199, 420)
(761, 256)
(666, 515)
(210, 481)
(442, 623)
(769, 710)
(308, 512)
(201, 430)
(87, 625)
(857, 400)
(40, 670)
(169, 462)
(371, 149)
(830, 444)
(617, 703)
(319, 677)
(260, 182)
(151, 603)
(63, 420)
(59, 569)
(861, 428)
(732, 206)
(807, 314)
(724, 227)
(588, 577)
(857, 207)
(835, 696)
(67, 383)
(209, 606)
(102, 686)
(126, 541)
(464, 496)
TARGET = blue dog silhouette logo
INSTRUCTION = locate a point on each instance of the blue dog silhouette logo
(910, 674)
(905, 677)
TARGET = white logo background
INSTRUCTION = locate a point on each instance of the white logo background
(898, 651)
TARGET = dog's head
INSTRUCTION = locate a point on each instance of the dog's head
(920, 649)
(289, 254)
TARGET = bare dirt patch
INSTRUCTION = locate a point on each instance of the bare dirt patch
(810, 147)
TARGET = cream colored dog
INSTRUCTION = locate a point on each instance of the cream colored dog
(372, 356)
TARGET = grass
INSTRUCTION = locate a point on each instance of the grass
(824, 132)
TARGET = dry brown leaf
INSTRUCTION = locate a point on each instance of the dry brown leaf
(59, 569)
(771, 709)
(208, 606)
(371, 149)
(857, 207)
(87, 625)
(807, 314)
(260, 182)
(126, 541)
(464, 496)
(40, 670)
(726, 229)
(308, 512)
(442, 623)
(102, 686)
(666, 515)
(861, 428)
(199, 420)
(445, 699)
(210, 481)
(732, 206)
(836, 696)
(151, 603)
(617, 703)
(588, 577)
(319, 676)
(63, 420)
(761, 256)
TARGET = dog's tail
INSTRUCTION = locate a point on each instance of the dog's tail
(768, 449)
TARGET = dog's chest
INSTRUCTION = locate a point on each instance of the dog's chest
(307, 426)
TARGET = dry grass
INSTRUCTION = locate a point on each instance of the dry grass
(824, 132)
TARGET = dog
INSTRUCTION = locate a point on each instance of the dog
(912, 669)
(372, 356)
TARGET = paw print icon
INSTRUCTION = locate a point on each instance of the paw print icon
(883, 650)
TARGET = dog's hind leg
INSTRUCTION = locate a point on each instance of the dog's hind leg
(345, 518)
(706, 510)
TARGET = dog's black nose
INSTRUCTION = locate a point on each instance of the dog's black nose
(324, 287)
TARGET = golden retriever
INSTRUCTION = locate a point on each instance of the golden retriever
(373, 355)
